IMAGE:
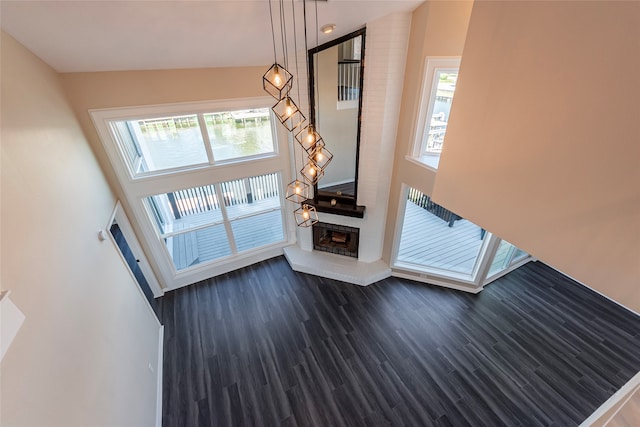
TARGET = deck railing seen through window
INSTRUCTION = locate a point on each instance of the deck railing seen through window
(237, 192)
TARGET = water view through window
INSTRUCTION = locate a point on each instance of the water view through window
(175, 142)
(239, 133)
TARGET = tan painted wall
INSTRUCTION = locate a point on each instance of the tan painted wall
(437, 29)
(138, 88)
(543, 146)
(81, 357)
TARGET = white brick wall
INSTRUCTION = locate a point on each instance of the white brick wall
(385, 57)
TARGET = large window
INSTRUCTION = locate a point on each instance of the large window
(162, 143)
(239, 134)
(438, 88)
(435, 241)
(202, 181)
(210, 222)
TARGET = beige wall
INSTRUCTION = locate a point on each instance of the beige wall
(543, 146)
(437, 29)
(138, 88)
(81, 357)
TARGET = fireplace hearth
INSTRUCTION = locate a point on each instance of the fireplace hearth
(336, 239)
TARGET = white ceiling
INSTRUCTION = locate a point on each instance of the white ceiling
(74, 36)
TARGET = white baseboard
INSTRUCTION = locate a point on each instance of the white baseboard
(430, 280)
(159, 379)
(618, 397)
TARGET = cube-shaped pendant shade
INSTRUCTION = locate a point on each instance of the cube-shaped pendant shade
(306, 215)
(277, 81)
(311, 172)
(321, 156)
(308, 137)
(297, 191)
(288, 113)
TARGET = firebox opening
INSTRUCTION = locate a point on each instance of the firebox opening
(337, 239)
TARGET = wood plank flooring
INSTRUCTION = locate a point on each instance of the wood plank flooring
(266, 346)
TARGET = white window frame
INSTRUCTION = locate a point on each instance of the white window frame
(136, 188)
(225, 220)
(473, 282)
(103, 120)
(433, 64)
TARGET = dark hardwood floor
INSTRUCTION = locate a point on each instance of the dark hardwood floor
(266, 346)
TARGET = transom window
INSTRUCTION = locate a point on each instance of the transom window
(177, 142)
(438, 88)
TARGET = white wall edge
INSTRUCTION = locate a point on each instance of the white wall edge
(159, 379)
(621, 395)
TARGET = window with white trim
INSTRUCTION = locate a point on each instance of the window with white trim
(203, 182)
(438, 87)
(449, 249)
(180, 142)
(211, 222)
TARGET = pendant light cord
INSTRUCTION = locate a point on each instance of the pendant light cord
(306, 56)
(295, 46)
(283, 30)
(317, 83)
(273, 35)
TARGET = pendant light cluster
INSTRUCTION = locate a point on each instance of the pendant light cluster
(278, 82)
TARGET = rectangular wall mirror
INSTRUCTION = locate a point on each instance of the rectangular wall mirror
(336, 75)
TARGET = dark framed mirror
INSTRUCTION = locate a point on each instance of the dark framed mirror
(336, 76)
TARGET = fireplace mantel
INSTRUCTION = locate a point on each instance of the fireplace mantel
(344, 209)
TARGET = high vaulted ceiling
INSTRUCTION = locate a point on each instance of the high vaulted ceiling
(74, 36)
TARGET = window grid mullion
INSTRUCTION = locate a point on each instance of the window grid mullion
(205, 138)
(225, 219)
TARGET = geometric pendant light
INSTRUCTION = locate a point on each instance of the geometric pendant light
(297, 191)
(320, 155)
(277, 81)
(306, 215)
(311, 172)
(288, 113)
(308, 138)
